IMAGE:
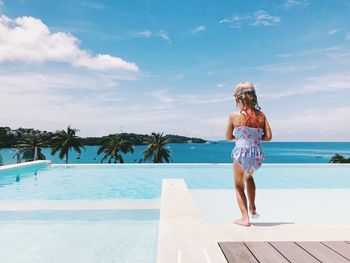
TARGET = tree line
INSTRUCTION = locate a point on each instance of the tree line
(337, 158)
(11, 137)
(112, 147)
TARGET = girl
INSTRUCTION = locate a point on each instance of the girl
(250, 127)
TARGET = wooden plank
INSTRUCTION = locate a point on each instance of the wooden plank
(322, 253)
(293, 252)
(340, 247)
(236, 252)
(265, 253)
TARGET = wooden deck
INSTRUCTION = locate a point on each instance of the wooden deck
(285, 251)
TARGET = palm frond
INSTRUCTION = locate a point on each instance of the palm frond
(64, 141)
(112, 147)
(156, 150)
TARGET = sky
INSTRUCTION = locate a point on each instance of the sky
(171, 66)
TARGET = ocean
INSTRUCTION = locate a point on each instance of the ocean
(276, 152)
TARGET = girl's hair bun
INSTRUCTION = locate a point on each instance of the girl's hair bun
(244, 87)
(245, 94)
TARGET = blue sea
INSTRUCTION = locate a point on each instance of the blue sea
(276, 152)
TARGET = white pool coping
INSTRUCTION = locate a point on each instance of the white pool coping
(22, 165)
(185, 236)
(189, 164)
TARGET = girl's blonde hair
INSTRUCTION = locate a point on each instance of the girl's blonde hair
(245, 93)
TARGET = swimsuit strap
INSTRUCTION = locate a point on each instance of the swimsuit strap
(251, 116)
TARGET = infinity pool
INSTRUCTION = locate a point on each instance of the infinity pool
(61, 182)
(70, 213)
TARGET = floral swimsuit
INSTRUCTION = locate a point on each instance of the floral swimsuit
(248, 150)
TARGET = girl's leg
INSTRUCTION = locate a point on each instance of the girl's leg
(251, 194)
(241, 198)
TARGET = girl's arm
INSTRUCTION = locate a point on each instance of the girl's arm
(229, 129)
(267, 131)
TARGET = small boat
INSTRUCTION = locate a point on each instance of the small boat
(78, 156)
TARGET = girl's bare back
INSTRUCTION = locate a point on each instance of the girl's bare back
(238, 119)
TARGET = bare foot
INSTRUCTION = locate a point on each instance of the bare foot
(254, 214)
(242, 222)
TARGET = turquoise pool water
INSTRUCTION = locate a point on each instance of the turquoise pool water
(60, 182)
(126, 236)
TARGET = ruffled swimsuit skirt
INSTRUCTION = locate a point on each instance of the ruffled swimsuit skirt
(248, 150)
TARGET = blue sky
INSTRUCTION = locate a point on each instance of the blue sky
(171, 66)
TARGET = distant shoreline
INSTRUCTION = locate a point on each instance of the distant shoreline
(10, 137)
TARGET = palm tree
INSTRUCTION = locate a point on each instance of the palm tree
(156, 149)
(112, 147)
(337, 158)
(64, 141)
(29, 148)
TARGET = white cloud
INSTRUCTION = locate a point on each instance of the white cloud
(294, 3)
(162, 96)
(43, 108)
(58, 80)
(347, 36)
(168, 100)
(148, 34)
(52, 101)
(29, 40)
(217, 99)
(262, 18)
(339, 55)
(164, 35)
(103, 62)
(221, 85)
(198, 29)
(145, 33)
(331, 83)
(313, 125)
(258, 18)
(205, 98)
(310, 52)
(282, 68)
(333, 31)
(236, 20)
